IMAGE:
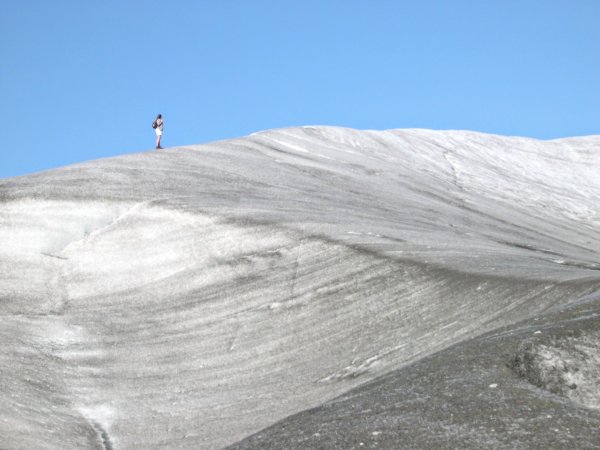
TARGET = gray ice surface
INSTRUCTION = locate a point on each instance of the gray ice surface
(192, 297)
(474, 395)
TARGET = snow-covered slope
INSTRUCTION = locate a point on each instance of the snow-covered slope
(190, 297)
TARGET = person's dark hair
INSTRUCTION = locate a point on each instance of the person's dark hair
(159, 116)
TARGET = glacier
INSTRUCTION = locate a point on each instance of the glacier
(308, 287)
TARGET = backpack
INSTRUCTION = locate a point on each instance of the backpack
(154, 125)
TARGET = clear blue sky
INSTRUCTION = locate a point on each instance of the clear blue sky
(82, 80)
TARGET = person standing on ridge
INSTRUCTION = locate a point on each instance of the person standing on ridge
(158, 128)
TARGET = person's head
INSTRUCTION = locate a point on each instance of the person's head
(159, 116)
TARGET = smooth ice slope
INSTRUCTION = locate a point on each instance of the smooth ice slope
(190, 297)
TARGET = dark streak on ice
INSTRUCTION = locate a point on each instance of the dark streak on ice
(103, 435)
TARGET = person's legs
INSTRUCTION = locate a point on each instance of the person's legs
(158, 136)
